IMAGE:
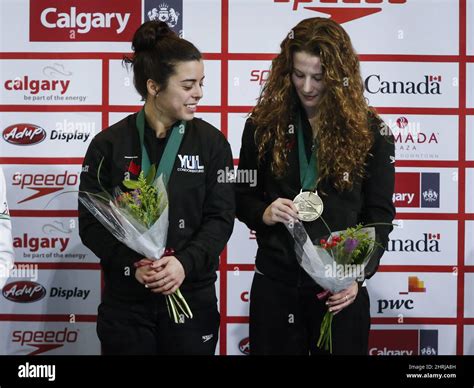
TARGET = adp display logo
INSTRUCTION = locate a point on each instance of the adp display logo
(44, 340)
(415, 285)
(414, 189)
(84, 20)
(339, 11)
(403, 342)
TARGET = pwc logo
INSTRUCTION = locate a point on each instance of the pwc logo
(84, 20)
(24, 291)
(44, 340)
(24, 134)
(44, 184)
(415, 285)
(403, 342)
(343, 14)
(414, 189)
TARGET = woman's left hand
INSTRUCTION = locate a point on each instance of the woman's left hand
(337, 302)
(168, 275)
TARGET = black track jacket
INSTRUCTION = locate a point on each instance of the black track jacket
(201, 208)
(369, 201)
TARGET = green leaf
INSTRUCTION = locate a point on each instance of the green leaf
(129, 184)
(151, 175)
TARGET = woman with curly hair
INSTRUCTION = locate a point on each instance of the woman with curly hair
(312, 137)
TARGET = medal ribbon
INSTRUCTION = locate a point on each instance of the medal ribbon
(169, 154)
(308, 169)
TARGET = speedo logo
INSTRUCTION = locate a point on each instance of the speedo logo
(339, 11)
(44, 184)
(44, 340)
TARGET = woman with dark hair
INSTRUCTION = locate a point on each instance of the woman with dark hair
(133, 317)
(312, 132)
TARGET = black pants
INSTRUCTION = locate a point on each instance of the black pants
(144, 329)
(286, 320)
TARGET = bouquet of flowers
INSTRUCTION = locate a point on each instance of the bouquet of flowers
(138, 219)
(334, 263)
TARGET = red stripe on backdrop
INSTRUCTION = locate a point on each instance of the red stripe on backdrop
(47, 318)
(418, 268)
(51, 108)
(239, 267)
(461, 177)
(64, 266)
(423, 163)
(105, 93)
(41, 160)
(383, 268)
(233, 56)
(387, 321)
(44, 213)
(414, 321)
(90, 108)
(381, 110)
(224, 122)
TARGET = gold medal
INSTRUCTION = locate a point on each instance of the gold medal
(310, 205)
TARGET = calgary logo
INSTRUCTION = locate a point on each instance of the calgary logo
(406, 342)
(414, 189)
(44, 184)
(430, 195)
(36, 86)
(44, 340)
(83, 20)
(24, 134)
(343, 14)
(164, 13)
(24, 291)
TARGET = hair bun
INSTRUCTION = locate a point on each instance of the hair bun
(148, 34)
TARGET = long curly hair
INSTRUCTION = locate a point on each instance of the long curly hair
(343, 135)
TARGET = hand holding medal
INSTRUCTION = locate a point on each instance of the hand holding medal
(308, 202)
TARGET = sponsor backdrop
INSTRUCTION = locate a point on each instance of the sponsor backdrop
(62, 81)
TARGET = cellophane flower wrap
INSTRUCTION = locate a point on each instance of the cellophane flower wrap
(139, 219)
(334, 262)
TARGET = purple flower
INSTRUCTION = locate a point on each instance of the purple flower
(350, 244)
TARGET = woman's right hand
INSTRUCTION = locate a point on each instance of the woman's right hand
(280, 210)
(145, 269)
